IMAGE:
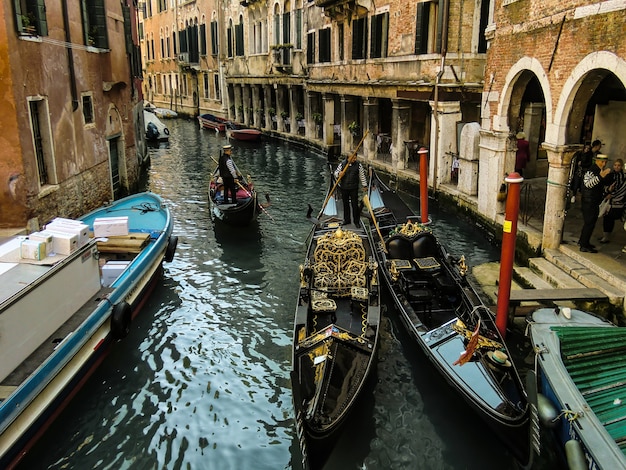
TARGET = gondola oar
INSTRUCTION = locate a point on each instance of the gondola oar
(380, 235)
(351, 159)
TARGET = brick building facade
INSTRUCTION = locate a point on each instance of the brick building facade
(69, 108)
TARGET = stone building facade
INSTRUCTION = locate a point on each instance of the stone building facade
(68, 120)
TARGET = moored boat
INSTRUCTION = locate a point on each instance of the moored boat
(445, 316)
(162, 113)
(581, 385)
(213, 122)
(239, 132)
(154, 128)
(244, 211)
(336, 330)
(67, 296)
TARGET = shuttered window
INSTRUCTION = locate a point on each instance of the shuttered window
(380, 33)
(359, 38)
(324, 45)
(94, 23)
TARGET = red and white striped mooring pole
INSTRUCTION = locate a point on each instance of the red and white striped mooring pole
(507, 257)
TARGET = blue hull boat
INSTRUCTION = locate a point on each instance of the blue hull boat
(581, 385)
(65, 301)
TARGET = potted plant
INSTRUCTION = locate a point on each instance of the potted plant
(284, 115)
(28, 23)
(354, 128)
(317, 118)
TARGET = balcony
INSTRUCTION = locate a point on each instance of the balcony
(339, 10)
(183, 57)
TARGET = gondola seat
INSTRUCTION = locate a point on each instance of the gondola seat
(424, 246)
(339, 263)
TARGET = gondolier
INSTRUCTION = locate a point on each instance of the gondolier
(228, 174)
(349, 185)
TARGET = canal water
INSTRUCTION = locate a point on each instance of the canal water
(202, 381)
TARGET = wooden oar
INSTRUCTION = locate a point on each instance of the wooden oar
(380, 235)
(351, 159)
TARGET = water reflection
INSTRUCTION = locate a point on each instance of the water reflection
(202, 380)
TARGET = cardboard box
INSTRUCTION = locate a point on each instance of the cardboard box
(63, 243)
(31, 249)
(112, 270)
(44, 237)
(71, 226)
(110, 226)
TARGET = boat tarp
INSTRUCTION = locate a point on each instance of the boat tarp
(595, 358)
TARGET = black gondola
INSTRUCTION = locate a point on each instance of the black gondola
(335, 330)
(244, 211)
(446, 317)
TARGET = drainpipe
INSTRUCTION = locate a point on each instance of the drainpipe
(444, 49)
(70, 56)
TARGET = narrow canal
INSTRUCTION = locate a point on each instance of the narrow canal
(202, 381)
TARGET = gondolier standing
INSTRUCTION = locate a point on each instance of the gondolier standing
(228, 174)
(349, 185)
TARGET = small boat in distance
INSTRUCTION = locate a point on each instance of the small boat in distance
(212, 122)
(69, 293)
(447, 319)
(240, 132)
(162, 113)
(154, 128)
(581, 385)
(336, 330)
(246, 209)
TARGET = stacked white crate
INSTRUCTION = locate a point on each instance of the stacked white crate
(67, 235)
(110, 226)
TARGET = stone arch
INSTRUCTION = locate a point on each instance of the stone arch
(584, 78)
(526, 106)
(517, 72)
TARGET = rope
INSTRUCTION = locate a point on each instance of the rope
(554, 183)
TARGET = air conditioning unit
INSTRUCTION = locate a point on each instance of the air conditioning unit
(183, 57)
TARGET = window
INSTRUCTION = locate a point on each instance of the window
(203, 39)
(428, 27)
(216, 81)
(380, 33)
(214, 49)
(161, 5)
(484, 21)
(229, 39)
(359, 38)
(298, 19)
(42, 141)
(94, 24)
(162, 41)
(205, 77)
(286, 28)
(239, 38)
(87, 108)
(310, 48)
(324, 45)
(30, 17)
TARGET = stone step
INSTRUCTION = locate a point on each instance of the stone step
(555, 276)
(577, 267)
(529, 279)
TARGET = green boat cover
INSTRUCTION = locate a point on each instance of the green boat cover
(595, 358)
